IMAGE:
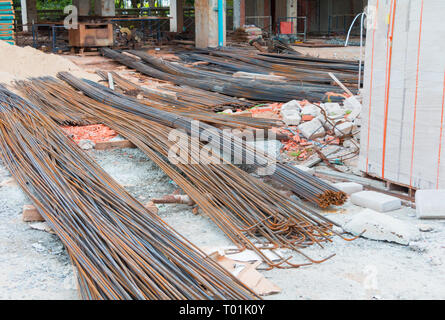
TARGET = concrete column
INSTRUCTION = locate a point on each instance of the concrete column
(242, 12)
(292, 12)
(177, 15)
(83, 7)
(206, 23)
(104, 8)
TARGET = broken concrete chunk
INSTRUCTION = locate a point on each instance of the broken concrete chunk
(349, 187)
(380, 226)
(344, 128)
(430, 204)
(290, 113)
(291, 105)
(312, 129)
(425, 228)
(376, 201)
(150, 206)
(354, 106)
(310, 109)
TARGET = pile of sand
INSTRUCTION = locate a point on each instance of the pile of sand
(19, 63)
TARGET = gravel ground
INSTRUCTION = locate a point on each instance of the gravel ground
(35, 265)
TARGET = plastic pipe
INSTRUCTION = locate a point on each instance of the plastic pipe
(220, 23)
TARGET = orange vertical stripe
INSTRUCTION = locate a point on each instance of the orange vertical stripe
(441, 133)
(415, 99)
(388, 81)
(371, 84)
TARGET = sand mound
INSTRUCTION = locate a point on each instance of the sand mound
(20, 63)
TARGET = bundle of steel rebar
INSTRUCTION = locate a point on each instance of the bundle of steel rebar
(291, 70)
(225, 84)
(120, 249)
(251, 213)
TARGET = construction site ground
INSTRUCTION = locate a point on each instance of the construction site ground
(35, 264)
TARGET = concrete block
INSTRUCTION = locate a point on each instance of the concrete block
(290, 113)
(30, 214)
(430, 204)
(344, 128)
(380, 226)
(376, 201)
(349, 187)
(312, 129)
(333, 110)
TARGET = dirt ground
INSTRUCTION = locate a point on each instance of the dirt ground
(35, 265)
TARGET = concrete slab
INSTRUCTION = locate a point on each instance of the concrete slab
(376, 201)
(430, 204)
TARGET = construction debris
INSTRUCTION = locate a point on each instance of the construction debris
(377, 201)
